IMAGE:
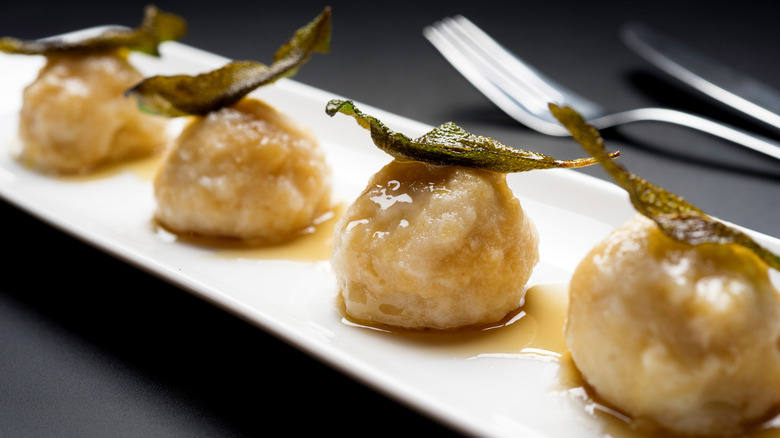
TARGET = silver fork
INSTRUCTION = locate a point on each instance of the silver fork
(524, 93)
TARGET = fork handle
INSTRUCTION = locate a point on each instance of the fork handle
(752, 141)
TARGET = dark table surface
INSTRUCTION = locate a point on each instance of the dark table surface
(85, 354)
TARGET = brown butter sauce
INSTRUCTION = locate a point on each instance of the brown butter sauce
(145, 168)
(534, 330)
(310, 245)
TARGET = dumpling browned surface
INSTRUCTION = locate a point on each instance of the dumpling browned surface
(244, 172)
(428, 246)
(75, 116)
(683, 337)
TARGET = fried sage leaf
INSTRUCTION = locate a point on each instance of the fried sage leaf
(199, 95)
(676, 217)
(157, 26)
(449, 144)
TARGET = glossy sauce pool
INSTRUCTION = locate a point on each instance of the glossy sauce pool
(311, 245)
(535, 330)
(144, 168)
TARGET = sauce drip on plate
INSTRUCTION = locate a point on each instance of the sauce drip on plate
(535, 330)
(312, 245)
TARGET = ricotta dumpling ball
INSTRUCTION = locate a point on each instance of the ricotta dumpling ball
(75, 116)
(428, 246)
(245, 172)
(682, 337)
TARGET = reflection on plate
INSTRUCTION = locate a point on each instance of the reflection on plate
(502, 381)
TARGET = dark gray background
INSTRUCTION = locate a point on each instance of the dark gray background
(90, 346)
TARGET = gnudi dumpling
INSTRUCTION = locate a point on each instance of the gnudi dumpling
(244, 172)
(683, 337)
(75, 116)
(428, 246)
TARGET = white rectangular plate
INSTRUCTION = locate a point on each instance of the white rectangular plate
(488, 395)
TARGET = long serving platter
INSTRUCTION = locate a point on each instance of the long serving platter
(512, 387)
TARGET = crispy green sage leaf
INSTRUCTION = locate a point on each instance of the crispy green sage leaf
(449, 144)
(676, 217)
(156, 27)
(199, 95)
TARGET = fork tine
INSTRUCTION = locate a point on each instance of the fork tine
(507, 61)
(464, 53)
(518, 69)
(514, 86)
(452, 49)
